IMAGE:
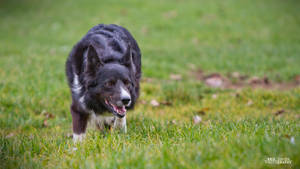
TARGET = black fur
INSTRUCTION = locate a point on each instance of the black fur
(105, 59)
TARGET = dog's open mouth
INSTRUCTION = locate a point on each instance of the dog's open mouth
(119, 111)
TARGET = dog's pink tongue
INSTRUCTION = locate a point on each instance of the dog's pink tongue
(121, 110)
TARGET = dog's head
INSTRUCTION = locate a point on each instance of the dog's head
(109, 85)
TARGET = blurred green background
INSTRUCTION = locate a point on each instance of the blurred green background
(252, 37)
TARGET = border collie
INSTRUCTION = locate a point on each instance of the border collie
(103, 71)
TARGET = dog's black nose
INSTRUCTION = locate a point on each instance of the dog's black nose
(126, 101)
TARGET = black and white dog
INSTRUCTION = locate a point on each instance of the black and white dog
(103, 72)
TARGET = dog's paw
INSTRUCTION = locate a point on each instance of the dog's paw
(78, 137)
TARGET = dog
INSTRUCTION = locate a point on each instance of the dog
(103, 72)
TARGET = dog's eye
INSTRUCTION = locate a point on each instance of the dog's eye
(126, 83)
(110, 83)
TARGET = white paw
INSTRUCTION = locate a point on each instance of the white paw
(78, 137)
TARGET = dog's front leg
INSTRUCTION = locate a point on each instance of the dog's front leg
(120, 123)
(79, 121)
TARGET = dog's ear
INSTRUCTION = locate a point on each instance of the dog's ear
(93, 61)
(127, 58)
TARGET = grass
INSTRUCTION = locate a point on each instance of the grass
(255, 38)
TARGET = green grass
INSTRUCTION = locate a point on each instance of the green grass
(253, 37)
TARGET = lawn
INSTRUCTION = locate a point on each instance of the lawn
(179, 121)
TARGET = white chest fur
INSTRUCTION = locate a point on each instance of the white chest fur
(101, 121)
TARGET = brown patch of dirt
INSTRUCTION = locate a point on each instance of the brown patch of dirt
(297, 79)
(237, 81)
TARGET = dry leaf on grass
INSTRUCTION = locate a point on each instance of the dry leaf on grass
(238, 76)
(166, 103)
(292, 140)
(197, 119)
(45, 123)
(142, 101)
(257, 81)
(279, 112)
(202, 111)
(173, 122)
(214, 80)
(237, 95)
(154, 103)
(10, 135)
(175, 77)
(254, 80)
(249, 103)
(214, 96)
(48, 115)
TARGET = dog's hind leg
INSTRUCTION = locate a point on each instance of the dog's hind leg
(120, 123)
